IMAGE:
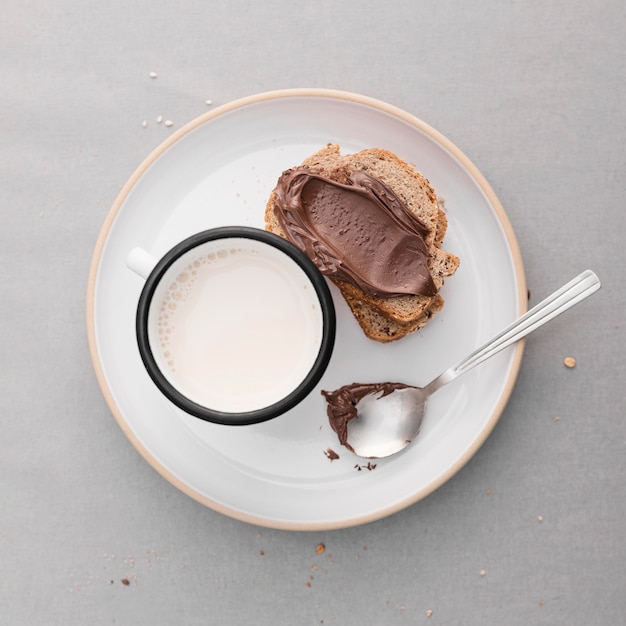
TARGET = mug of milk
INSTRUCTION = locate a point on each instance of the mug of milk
(234, 325)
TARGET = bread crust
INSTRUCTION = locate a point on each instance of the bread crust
(386, 319)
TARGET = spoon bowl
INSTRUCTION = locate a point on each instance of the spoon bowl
(384, 427)
(384, 423)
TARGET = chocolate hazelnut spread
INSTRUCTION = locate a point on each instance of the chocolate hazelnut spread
(359, 232)
(342, 404)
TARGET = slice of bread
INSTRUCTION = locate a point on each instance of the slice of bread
(383, 329)
(386, 319)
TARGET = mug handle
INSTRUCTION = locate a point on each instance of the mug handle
(141, 262)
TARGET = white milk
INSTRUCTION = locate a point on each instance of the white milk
(235, 325)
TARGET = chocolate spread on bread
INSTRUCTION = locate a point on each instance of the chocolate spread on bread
(358, 231)
(342, 404)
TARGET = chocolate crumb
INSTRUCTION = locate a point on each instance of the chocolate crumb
(370, 466)
(331, 454)
(125, 582)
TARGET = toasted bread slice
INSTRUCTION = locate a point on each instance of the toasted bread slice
(383, 329)
(387, 319)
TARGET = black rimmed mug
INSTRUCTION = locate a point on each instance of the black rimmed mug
(235, 325)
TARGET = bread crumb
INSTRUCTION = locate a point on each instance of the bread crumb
(208, 102)
(488, 492)
(541, 602)
(153, 74)
(429, 613)
(145, 123)
(320, 548)
(482, 572)
(540, 518)
(569, 361)
(159, 119)
(169, 123)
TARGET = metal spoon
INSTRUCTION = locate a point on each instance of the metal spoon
(389, 421)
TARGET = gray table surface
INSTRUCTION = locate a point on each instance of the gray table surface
(530, 531)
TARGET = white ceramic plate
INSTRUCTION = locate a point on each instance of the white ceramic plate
(219, 170)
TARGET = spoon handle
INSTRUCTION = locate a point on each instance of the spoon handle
(567, 296)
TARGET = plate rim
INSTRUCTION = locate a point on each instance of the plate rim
(119, 201)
